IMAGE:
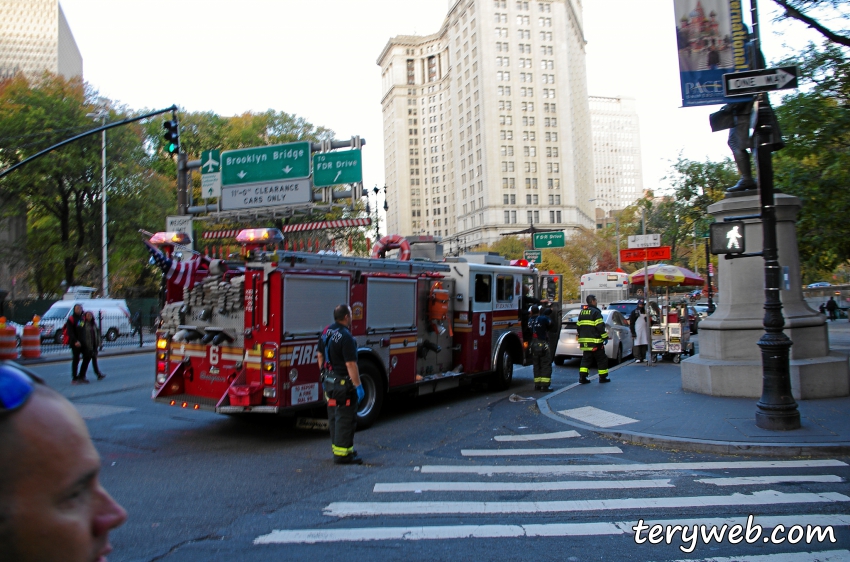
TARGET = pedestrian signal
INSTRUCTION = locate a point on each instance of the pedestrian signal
(727, 237)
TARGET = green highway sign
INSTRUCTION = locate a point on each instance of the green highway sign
(265, 163)
(210, 161)
(533, 256)
(332, 168)
(549, 240)
(210, 173)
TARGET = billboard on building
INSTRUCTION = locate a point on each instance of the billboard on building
(711, 39)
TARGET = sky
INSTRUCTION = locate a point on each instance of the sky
(317, 59)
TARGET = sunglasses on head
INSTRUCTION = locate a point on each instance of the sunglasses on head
(16, 386)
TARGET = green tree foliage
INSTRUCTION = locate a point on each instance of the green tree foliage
(815, 163)
(61, 192)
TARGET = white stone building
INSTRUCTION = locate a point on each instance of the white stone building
(34, 37)
(617, 171)
(486, 123)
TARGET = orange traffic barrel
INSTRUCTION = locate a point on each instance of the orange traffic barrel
(31, 343)
(8, 345)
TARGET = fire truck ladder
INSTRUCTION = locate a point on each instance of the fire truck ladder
(307, 260)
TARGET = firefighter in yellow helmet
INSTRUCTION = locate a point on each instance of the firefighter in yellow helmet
(592, 337)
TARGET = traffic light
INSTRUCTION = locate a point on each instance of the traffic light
(171, 136)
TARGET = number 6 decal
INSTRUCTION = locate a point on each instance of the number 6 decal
(482, 324)
(214, 355)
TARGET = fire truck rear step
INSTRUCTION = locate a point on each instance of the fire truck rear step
(190, 400)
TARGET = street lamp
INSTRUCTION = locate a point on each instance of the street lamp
(375, 190)
(616, 229)
(102, 114)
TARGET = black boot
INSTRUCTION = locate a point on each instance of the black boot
(348, 459)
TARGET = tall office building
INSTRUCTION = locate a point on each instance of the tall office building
(616, 154)
(486, 123)
(34, 38)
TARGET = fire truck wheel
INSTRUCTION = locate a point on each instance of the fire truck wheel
(373, 385)
(504, 370)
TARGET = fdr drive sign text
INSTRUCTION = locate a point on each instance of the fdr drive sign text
(268, 194)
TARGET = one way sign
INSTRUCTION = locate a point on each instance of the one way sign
(756, 81)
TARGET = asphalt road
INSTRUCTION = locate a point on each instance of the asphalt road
(470, 474)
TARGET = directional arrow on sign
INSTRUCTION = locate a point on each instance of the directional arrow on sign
(755, 81)
(242, 174)
(287, 169)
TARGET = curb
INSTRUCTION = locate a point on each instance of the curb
(698, 445)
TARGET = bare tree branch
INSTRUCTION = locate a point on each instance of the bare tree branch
(793, 12)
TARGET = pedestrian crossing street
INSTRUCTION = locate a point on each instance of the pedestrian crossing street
(648, 488)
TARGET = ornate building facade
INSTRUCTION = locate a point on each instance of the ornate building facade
(486, 123)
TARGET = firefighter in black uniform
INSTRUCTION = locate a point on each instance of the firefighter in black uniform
(341, 384)
(540, 358)
(592, 336)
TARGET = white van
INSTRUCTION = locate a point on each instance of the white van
(115, 318)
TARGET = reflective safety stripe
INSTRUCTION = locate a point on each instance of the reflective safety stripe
(538, 380)
(342, 451)
(583, 370)
(603, 372)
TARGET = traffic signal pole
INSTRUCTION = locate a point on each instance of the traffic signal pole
(182, 183)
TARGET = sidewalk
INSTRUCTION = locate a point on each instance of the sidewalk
(646, 405)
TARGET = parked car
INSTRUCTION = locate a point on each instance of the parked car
(114, 314)
(818, 284)
(695, 295)
(627, 306)
(693, 319)
(619, 337)
(703, 310)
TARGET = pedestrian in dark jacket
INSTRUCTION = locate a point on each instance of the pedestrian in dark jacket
(74, 330)
(91, 345)
(831, 308)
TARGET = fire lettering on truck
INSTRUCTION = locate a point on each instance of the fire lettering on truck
(303, 355)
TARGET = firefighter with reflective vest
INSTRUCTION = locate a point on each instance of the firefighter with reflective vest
(592, 337)
(341, 385)
(540, 358)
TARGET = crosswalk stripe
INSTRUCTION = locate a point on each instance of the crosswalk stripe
(538, 436)
(414, 533)
(748, 480)
(597, 417)
(537, 452)
(648, 467)
(520, 486)
(823, 556)
(766, 497)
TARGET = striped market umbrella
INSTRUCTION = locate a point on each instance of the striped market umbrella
(663, 275)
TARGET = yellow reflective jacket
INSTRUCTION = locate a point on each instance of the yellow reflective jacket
(592, 331)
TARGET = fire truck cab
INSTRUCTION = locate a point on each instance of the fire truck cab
(243, 337)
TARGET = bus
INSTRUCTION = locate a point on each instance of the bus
(608, 286)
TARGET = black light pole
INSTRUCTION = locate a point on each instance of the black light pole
(777, 408)
(377, 231)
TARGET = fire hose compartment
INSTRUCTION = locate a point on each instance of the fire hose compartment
(246, 394)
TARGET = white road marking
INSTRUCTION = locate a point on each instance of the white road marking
(648, 467)
(364, 534)
(597, 417)
(823, 556)
(766, 497)
(92, 411)
(520, 486)
(538, 436)
(536, 452)
(748, 480)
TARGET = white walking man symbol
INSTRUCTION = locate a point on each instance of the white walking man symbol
(734, 236)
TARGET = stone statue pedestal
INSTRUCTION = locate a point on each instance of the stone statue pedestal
(729, 362)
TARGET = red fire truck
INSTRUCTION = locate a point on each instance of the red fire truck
(242, 338)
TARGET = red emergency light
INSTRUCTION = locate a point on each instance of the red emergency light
(170, 238)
